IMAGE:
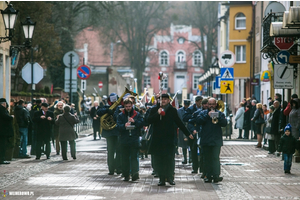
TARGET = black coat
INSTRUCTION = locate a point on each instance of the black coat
(211, 134)
(287, 144)
(164, 131)
(247, 120)
(22, 116)
(6, 123)
(43, 126)
(275, 122)
(93, 114)
(125, 138)
(107, 133)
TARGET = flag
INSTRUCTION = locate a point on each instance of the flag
(152, 99)
(51, 89)
(175, 102)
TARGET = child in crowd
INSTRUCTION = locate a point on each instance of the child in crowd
(287, 146)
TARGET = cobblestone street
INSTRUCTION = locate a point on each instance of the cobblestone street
(249, 173)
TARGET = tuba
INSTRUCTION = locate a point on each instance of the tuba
(107, 121)
(220, 107)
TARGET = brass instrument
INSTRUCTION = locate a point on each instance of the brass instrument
(107, 121)
(220, 107)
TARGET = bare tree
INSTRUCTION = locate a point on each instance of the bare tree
(134, 24)
(204, 16)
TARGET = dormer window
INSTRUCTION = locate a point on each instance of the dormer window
(181, 40)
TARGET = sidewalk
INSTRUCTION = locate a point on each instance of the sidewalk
(249, 173)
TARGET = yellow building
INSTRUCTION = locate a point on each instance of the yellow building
(5, 67)
(240, 43)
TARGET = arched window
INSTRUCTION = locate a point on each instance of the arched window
(180, 56)
(197, 59)
(163, 58)
(240, 21)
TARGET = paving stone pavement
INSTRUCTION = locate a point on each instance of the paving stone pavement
(249, 173)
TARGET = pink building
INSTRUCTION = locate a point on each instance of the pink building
(176, 53)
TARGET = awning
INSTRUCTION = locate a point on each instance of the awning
(276, 30)
(294, 16)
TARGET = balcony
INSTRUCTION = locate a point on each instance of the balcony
(180, 66)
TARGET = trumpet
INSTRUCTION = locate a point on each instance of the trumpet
(214, 118)
(220, 107)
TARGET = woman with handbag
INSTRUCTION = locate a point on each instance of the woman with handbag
(66, 122)
(270, 137)
(258, 118)
(239, 119)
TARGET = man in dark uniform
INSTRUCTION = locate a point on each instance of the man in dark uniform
(6, 129)
(35, 107)
(129, 139)
(164, 117)
(43, 120)
(113, 158)
(96, 119)
(211, 140)
(186, 117)
(182, 140)
(195, 128)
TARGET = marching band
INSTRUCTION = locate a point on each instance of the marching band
(153, 129)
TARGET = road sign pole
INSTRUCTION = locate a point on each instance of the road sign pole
(71, 55)
(31, 75)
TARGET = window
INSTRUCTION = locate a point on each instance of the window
(240, 21)
(163, 58)
(181, 40)
(196, 81)
(147, 81)
(180, 56)
(240, 52)
(165, 83)
(197, 59)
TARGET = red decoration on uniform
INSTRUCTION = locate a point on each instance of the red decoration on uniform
(158, 77)
(163, 113)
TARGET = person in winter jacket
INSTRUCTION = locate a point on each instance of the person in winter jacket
(247, 122)
(239, 119)
(66, 122)
(22, 117)
(287, 146)
(259, 120)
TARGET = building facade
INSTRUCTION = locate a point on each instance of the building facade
(5, 66)
(175, 52)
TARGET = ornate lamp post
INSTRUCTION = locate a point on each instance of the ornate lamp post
(9, 16)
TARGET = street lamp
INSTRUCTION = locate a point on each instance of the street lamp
(9, 16)
(28, 28)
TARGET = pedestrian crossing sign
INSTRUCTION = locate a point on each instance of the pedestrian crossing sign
(227, 73)
(226, 87)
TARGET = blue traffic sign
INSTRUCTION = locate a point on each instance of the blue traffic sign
(283, 57)
(83, 72)
(227, 74)
(218, 81)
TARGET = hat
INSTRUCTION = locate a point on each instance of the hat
(270, 98)
(198, 98)
(113, 97)
(38, 101)
(272, 107)
(130, 96)
(165, 96)
(126, 95)
(45, 105)
(186, 102)
(2, 100)
(294, 96)
(288, 127)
